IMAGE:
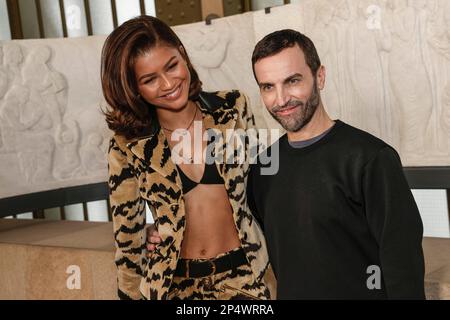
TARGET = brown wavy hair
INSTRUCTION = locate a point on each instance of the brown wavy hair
(128, 114)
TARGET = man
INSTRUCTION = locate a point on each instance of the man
(339, 218)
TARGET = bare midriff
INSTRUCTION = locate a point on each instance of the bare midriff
(210, 228)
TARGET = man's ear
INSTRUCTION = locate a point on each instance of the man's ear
(320, 77)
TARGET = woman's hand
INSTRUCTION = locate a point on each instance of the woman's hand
(153, 238)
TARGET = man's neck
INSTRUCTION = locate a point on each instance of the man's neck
(320, 122)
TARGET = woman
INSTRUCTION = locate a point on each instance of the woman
(211, 246)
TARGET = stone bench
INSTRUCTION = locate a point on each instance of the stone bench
(38, 254)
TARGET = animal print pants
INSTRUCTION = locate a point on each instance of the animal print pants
(234, 284)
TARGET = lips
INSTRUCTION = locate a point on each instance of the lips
(173, 95)
(286, 111)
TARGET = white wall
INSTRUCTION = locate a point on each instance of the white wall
(434, 212)
(261, 4)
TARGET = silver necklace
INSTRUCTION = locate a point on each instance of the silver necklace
(190, 124)
(185, 131)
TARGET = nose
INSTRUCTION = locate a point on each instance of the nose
(166, 83)
(282, 97)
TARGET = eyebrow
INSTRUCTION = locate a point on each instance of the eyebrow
(295, 75)
(153, 73)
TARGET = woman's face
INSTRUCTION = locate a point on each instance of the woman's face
(163, 78)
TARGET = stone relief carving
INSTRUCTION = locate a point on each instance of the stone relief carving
(38, 128)
(68, 143)
(324, 36)
(388, 72)
(439, 44)
(36, 155)
(93, 153)
(3, 76)
(13, 59)
(208, 51)
(413, 94)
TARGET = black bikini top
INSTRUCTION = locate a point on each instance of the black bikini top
(210, 176)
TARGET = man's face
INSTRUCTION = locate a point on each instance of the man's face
(288, 88)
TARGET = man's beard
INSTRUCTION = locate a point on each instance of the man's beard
(302, 115)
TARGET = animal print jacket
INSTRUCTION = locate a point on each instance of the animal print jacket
(142, 171)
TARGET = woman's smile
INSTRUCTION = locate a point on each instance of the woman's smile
(174, 94)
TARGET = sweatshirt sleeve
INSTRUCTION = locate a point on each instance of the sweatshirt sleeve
(394, 220)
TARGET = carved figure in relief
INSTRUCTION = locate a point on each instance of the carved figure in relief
(439, 42)
(365, 69)
(3, 76)
(439, 28)
(13, 58)
(409, 77)
(47, 85)
(3, 89)
(446, 113)
(379, 23)
(67, 139)
(93, 154)
(34, 148)
(341, 23)
(36, 154)
(322, 35)
(208, 48)
(14, 109)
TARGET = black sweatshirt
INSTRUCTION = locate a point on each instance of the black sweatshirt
(335, 212)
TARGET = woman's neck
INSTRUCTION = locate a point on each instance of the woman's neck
(180, 119)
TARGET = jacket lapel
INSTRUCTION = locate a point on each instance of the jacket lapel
(217, 113)
(154, 151)
(220, 116)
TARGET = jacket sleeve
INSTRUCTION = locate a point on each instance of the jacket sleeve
(249, 120)
(394, 220)
(247, 114)
(251, 195)
(128, 214)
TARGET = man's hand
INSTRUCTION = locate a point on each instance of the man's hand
(153, 238)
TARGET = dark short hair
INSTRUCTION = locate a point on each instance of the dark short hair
(128, 114)
(277, 41)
